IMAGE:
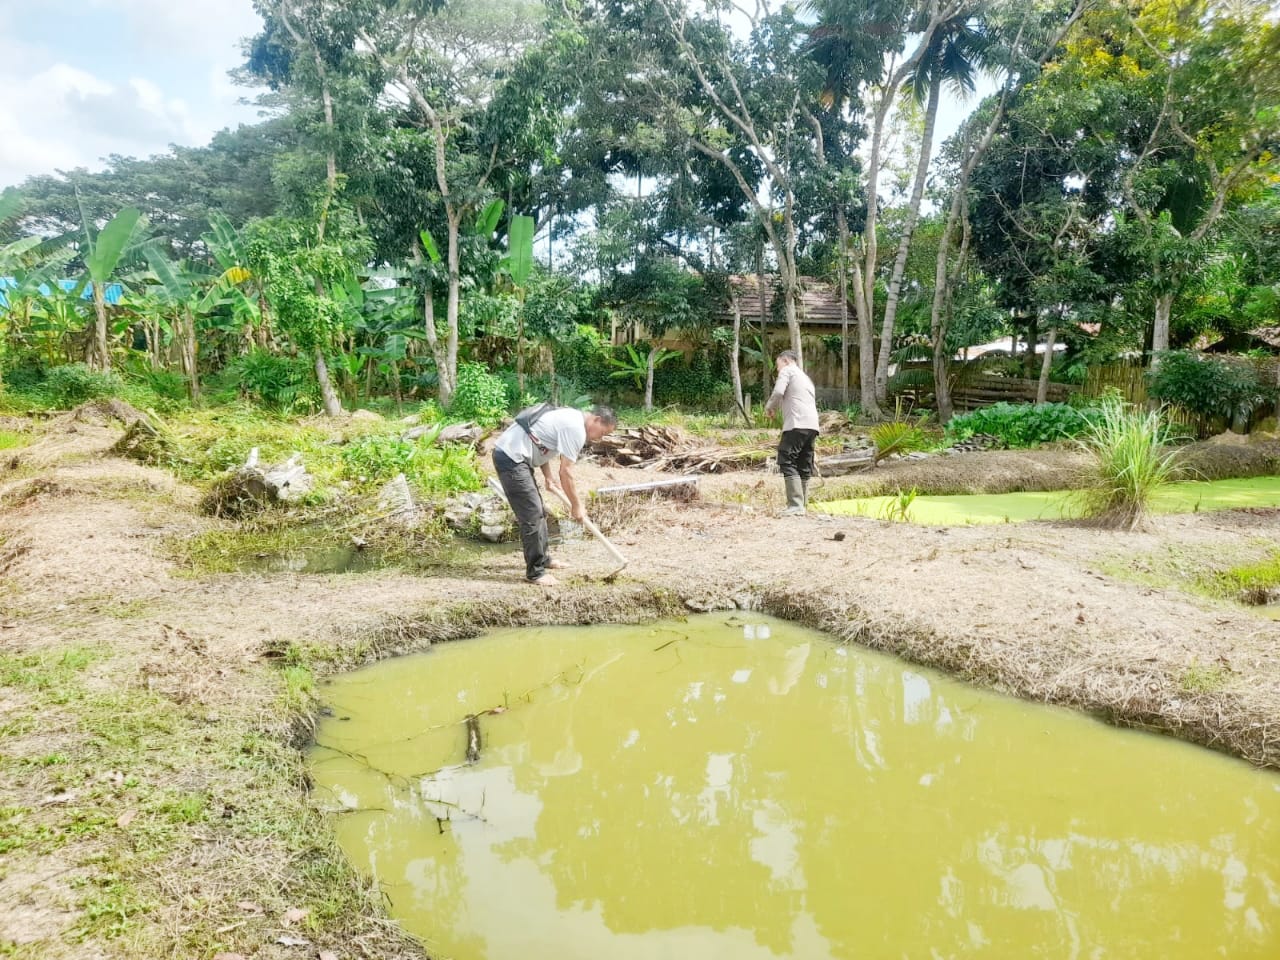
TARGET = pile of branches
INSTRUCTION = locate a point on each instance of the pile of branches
(666, 448)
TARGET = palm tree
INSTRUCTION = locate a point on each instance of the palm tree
(958, 47)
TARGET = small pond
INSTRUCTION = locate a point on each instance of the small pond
(962, 509)
(737, 787)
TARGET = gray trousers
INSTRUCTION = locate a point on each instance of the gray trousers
(531, 516)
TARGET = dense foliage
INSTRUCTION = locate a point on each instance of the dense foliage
(1227, 387)
(443, 188)
(1023, 424)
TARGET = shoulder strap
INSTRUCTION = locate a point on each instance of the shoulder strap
(531, 415)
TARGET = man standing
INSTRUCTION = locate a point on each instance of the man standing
(794, 393)
(538, 435)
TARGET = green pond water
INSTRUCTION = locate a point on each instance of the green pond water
(1057, 505)
(733, 788)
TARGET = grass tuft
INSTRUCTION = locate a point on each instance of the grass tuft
(1131, 463)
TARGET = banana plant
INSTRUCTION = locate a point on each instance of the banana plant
(30, 268)
(518, 265)
(229, 251)
(639, 369)
(184, 299)
(102, 254)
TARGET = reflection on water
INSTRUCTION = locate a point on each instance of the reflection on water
(730, 788)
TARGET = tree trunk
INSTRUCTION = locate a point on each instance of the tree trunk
(866, 349)
(842, 268)
(1042, 388)
(332, 405)
(791, 291)
(904, 244)
(1160, 331)
(937, 317)
(555, 384)
(648, 380)
(99, 356)
(766, 363)
(735, 368)
(190, 354)
(449, 376)
(520, 353)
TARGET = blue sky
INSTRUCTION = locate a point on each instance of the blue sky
(83, 79)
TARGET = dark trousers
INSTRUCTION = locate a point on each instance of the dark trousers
(795, 453)
(531, 516)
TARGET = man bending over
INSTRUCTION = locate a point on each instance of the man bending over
(538, 436)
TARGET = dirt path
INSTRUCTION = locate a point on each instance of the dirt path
(151, 792)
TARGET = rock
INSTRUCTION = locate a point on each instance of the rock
(289, 480)
(251, 487)
(468, 433)
(366, 416)
(395, 497)
(493, 533)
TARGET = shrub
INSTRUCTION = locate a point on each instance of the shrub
(437, 471)
(278, 382)
(1023, 424)
(1209, 386)
(480, 395)
(75, 383)
(1131, 464)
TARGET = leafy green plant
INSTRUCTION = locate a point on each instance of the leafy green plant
(481, 396)
(73, 383)
(1131, 463)
(896, 436)
(1209, 386)
(279, 382)
(898, 507)
(1023, 424)
(437, 471)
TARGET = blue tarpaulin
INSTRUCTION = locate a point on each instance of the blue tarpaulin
(113, 293)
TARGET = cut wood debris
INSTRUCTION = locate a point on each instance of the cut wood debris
(666, 448)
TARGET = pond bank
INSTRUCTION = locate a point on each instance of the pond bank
(150, 776)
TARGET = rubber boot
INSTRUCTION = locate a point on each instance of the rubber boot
(795, 496)
(804, 492)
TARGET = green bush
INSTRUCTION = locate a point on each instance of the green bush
(701, 382)
(277, 382)
(1023, 424)
(75, 383)
(1209, 386)
(480, 395)
(437, 471)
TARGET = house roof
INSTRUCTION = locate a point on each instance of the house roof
(819, 300)
(1266, 338)
(113, 293)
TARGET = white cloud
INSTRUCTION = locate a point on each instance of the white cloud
(81, 102)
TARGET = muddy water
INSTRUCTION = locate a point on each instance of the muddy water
(739, 788)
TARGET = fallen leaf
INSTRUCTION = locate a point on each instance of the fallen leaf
(64, 797)
(292, 941)
(293, 916)
(248, 906)
(228, 956)
(126, 818)
(328, 955)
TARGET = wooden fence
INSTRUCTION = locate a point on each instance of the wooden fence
(1129, 379)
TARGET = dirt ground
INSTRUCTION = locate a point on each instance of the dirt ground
(1050, 611)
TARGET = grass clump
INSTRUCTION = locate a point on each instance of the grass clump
(1131, 463)
(1253, 583)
